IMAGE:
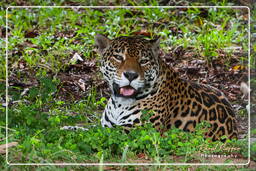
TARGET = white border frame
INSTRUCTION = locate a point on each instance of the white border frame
(128, 164)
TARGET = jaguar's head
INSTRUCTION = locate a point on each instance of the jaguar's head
(129, 64)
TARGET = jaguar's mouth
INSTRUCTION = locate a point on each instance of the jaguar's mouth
(126, 91)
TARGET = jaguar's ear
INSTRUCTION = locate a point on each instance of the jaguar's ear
(101, 42)
(155, 44)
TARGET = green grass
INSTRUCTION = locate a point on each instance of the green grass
(45, 142)
(49, 50)
(36, 117)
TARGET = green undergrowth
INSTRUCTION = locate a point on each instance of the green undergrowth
(40, 117)
(47, 38)
(46, 144)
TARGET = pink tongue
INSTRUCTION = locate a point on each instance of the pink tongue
(126, 91)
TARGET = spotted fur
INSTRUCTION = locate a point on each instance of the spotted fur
(173, 100)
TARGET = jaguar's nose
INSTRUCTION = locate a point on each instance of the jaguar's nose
(131, 75)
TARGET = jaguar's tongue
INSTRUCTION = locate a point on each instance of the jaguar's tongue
(127, 91)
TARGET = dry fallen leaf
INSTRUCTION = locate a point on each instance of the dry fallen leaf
(143, 32)
(76, 58)
(238, 68)
(81, 84)
(245, 89)
(141, 156)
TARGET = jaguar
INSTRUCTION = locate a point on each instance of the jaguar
(140, 80)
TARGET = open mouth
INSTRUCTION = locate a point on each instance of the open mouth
(126, 91)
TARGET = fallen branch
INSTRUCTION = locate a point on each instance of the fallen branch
(3, 147)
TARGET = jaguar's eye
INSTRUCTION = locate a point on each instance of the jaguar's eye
(144, 61)
(118, 57)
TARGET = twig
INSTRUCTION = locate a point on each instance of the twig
(3, 127)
